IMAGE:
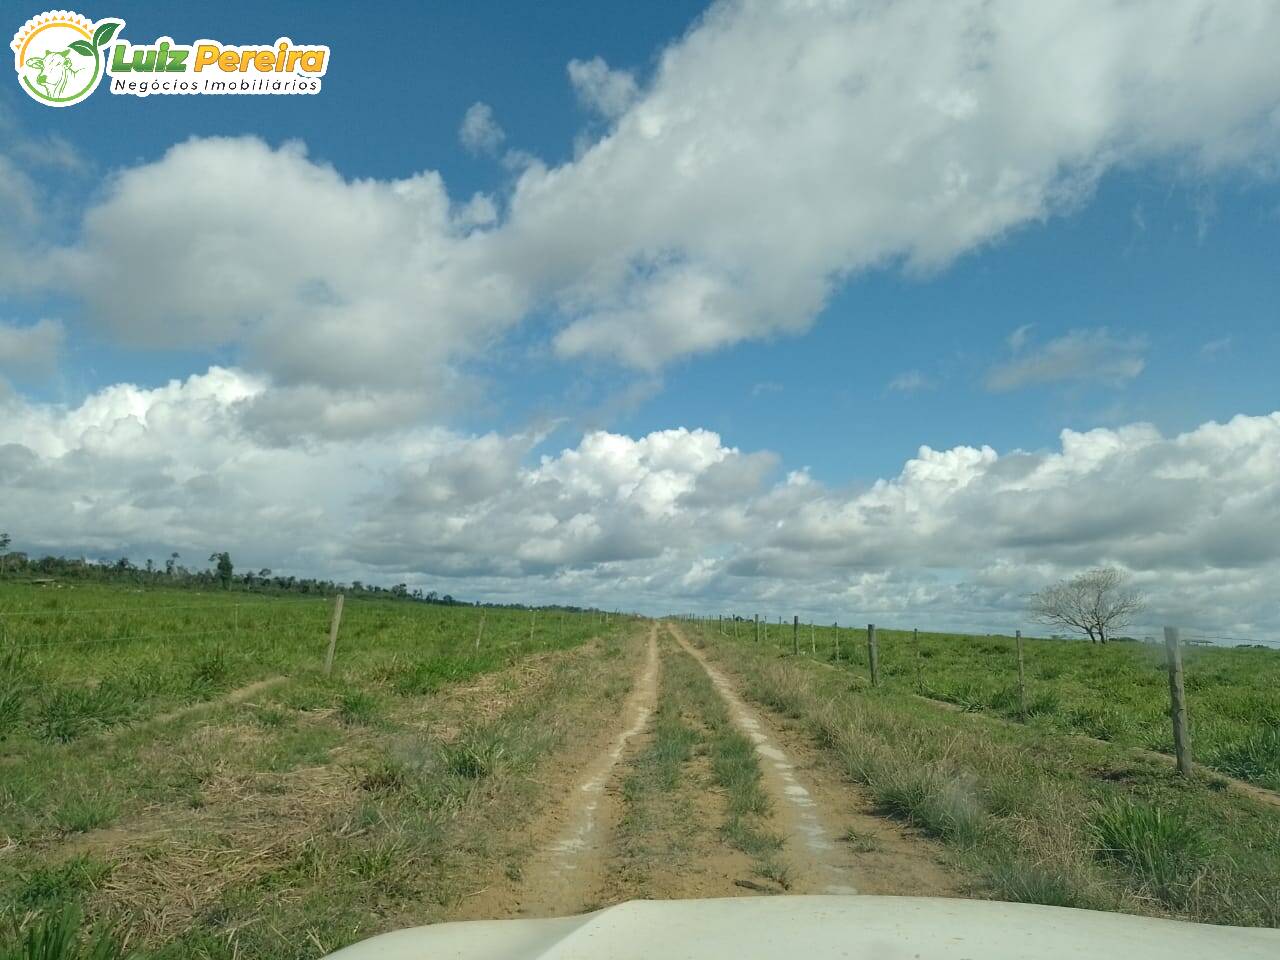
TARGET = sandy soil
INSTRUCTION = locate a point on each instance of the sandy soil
(571, 838)
(834, 841)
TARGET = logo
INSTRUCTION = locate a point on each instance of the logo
(61, 57)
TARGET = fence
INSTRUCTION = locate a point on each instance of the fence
(865, 650)
(52, 629)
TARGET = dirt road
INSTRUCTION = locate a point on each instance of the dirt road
(818, 863)
(652, 815)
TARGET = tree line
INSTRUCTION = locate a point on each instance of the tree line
(172, 572)
(223, 574)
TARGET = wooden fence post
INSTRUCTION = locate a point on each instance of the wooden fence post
(757, 628)
(835, 628)
(1022, 676)
(873, 654)
(795, 635)
(1177, 701)
(334, 624)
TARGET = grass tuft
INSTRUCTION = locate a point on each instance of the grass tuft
(1254, 757)
(357, 708)
(1159, 847)
(60, 936)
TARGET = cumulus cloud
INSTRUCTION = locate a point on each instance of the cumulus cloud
(781, 147)
(777, 149)
(1090, 356)
(344, 292)
(955, 539)
(608, 92)
(30, 351)
(480, 132)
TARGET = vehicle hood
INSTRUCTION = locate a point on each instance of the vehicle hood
(796, 927)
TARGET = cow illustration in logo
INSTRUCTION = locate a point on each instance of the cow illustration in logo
(58, 56)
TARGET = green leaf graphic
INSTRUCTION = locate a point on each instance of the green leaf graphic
(104, 33)
(82, 47)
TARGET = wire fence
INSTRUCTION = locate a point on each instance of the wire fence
(852, 646)
(31, 629)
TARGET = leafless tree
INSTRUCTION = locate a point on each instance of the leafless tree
(1097, 603)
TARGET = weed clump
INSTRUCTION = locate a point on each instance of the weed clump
(357, 708)
(1255, 757)
(1159, 847)
(60, 936)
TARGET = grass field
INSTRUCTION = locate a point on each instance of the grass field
(1029, 812)
(1118, 692)
(178, 766)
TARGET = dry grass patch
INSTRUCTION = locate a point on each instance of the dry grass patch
(1024, 810)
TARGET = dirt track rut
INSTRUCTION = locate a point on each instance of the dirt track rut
(819, 864)
(575, 863)
(561, 876)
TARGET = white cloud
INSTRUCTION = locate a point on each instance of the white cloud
(1214, 348)
(910, 381)
(955, 539)
(30, 351)
(480, 132)
(1090, 356)
(342, 291)
(782, 146)
(1018, 339)
(777, 149)
(609, 92)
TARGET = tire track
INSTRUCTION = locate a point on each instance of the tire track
(819, 865)
(562, 877)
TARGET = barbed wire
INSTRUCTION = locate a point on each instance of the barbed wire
(167, 635)
(76, 611)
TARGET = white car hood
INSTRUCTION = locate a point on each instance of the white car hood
(854, 927)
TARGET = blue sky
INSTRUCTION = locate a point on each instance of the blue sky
(1129, 277)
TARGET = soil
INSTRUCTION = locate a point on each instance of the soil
(835, 844)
